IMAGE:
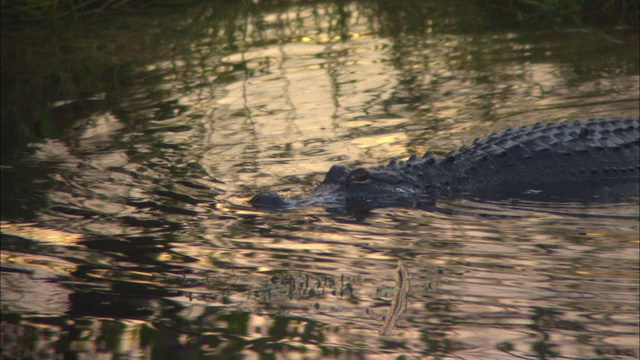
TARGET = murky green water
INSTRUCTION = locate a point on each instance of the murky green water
(126, 231)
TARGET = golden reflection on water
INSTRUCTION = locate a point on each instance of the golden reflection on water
(146, 235)
(39, 233)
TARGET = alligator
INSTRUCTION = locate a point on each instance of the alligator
(565, 156)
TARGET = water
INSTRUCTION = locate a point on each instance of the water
(126, 231)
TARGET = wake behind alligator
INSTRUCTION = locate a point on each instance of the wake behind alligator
(559, 157)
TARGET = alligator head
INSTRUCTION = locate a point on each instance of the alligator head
(357, 190)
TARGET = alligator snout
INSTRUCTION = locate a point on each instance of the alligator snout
(269, 200)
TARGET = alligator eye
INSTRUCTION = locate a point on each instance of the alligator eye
(359, 175)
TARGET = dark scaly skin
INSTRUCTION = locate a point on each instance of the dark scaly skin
(552, 155)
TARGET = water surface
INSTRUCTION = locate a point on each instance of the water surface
(126, 229)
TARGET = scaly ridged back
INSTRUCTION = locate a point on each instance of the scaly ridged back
(582, 150)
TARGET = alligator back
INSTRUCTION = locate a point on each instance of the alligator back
(583, 150)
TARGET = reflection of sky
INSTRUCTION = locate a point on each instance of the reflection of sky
(300, 93)
(295, 99)
(35, 290)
